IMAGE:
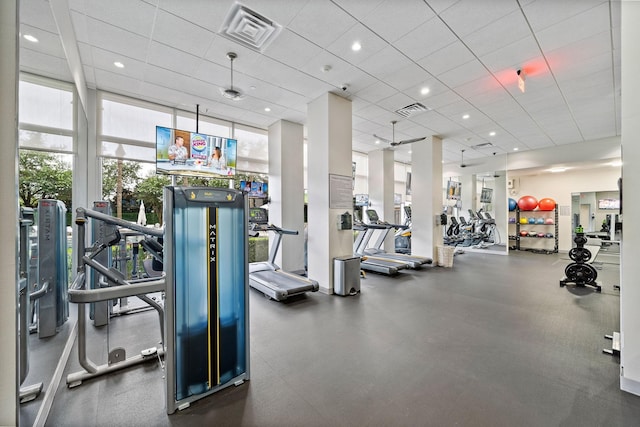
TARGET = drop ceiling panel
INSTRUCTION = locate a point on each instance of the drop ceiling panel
(392, 20)
(181, 34)
(466, 17)
(103, 59)
(117, 40)
(37, 14)
(34, 62)
(293, 49)
(118, 83)
(429, 37)
(512, 56)
(406, 77)
(538, 11)
(510, 27)
(384, 62)
(139, 18)
(314, 20)
(370, 42)
(472, 70)
(375, 92)
(447, 58)
(166, 57)
(48, 43)
(583, 25)
(395, 102)
(205, 14)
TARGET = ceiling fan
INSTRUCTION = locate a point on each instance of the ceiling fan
(393, 141)
(462, 163)
(232, 93)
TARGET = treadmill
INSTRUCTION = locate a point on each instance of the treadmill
(266, 276)
(413, 261)
(372, 262)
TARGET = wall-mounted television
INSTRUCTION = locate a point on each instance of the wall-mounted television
(255, 188)
(606, 204)
(486, 195)
(453, 190)
(180, 152)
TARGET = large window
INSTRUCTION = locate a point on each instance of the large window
(46, 112)
(253, 149)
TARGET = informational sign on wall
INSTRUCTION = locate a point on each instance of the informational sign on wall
(340, 192)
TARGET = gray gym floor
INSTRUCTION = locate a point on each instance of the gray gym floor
(493, 341)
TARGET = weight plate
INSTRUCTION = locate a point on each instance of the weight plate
(581, 274)
(580, 254)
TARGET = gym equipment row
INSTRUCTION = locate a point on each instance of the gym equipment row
(479, 232)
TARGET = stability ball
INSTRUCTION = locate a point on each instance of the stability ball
(546, 204)
(532, 220)
(548, 221)
(540, 220)
(512, 220)
(512, 204)
(527, 203)
(524, 220)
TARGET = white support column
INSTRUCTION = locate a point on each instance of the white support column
(286, 190)
(381, 185)
(329, 150)
(9, 371)
(629, 266)
(468, 194)
(426, 196)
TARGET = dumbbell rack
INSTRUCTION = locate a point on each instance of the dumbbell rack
(518, 238)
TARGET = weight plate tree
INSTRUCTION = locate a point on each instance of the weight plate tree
(580, 272)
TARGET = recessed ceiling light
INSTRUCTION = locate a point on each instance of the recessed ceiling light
(356, 46)
(118, 64)
(31, 38)
(267, 109)
(492, 134)
(557, 170)
(465, 116)
(425, 90)
(410, 151)
(515, 148)
(377, 141)
(616, 164)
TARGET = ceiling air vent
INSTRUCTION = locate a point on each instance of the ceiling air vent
(243, 25)
(413, 109)
(483, 145)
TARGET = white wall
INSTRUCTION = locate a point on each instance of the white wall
(559, 187)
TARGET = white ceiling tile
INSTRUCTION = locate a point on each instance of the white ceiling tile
(540, 16)
(441, 99)
(395, 102)
(583, 25)
(117, 40)
(429, 37)
(292, 49)
(138, 19)
(384, 62)
(472, 70)
(279, 11)
(317, 17)
(512, 56)
(375, 92)
(164, 56)
(34, 62)
(392, 20)
(447, 58)
(48, 43)
(370, 42)
(488, 38)
(180, 34)
(406, 77)
(119, 83)
(205, 14)
(37, 14)
(465, 17)
(103, 59)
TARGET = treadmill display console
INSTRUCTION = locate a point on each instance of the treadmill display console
(258, 216)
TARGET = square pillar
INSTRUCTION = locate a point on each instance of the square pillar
(329, 150)
(381, 186)
(426, 196)
(286, 190)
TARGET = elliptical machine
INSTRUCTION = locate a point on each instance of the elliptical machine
(580, 272)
